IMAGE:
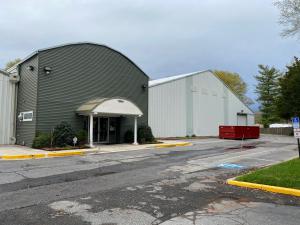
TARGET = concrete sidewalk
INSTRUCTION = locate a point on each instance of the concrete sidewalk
(17, 152)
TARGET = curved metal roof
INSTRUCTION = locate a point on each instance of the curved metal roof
(109, 106)
(74, 43)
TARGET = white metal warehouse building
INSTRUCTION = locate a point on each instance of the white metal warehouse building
(7, 107)
(194, 104)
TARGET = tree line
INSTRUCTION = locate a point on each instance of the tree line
(278, 93)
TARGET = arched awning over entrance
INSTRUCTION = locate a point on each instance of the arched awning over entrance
(109, 106)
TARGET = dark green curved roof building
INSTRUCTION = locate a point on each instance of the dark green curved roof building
(88, 85)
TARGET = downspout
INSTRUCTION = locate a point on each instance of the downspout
(14, 138)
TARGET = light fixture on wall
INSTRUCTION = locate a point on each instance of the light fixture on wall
(144, 86)
(31, 68)
(20, 117)
(47, 69)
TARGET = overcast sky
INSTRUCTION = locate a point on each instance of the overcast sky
(164, 38)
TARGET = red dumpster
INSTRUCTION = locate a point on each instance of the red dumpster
(238, 132)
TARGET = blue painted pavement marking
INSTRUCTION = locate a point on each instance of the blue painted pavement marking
(231, 166)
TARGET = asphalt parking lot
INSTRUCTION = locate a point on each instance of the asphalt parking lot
(182, 185)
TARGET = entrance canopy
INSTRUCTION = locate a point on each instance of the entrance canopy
(109, 106)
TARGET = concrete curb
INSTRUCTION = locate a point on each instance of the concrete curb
(269, 188)
(78, 152)
(42, 155)
(173, 145)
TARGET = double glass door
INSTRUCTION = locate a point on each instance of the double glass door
(101, 130)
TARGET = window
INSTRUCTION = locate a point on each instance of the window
(27, 116)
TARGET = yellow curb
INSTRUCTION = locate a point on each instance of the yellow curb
(173, 145)
(42, 155)
(274, 189)
(61, 154)
(15, 157)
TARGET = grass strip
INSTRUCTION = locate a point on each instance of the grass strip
(286, 174)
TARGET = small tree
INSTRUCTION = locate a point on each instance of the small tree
(289, 98)
(268, 91)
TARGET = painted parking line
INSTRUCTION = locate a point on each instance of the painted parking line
(231, 166)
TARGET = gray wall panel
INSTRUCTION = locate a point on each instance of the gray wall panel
(27, 100)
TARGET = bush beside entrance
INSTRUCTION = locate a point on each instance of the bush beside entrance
(144, 135)
(62, 137)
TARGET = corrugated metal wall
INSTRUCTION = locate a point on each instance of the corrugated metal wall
(167, 109)
(80, 72)
(209, 104)
(7, 104)
(195, 104)
(84, 72)
(27, 100)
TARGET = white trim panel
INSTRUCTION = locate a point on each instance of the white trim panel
(118, 106)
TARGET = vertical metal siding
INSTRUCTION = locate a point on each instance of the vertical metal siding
(235, 106)
(167, 109)
(27, 101)
(81, 73)
(209, 104)
(213, 104)
(7, 104)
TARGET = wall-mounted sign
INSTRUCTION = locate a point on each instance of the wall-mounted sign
(295, 121)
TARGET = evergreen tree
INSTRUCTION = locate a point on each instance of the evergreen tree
(268, 91)
(289, 98)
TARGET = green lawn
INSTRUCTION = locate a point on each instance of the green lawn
(286, 174)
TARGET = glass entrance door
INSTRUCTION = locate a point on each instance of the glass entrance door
(100, 131)
(103, 128)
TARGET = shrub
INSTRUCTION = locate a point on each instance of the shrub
(82, 137)
(42, 140)
(63, 135)
(145, 134)
(128, 136)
